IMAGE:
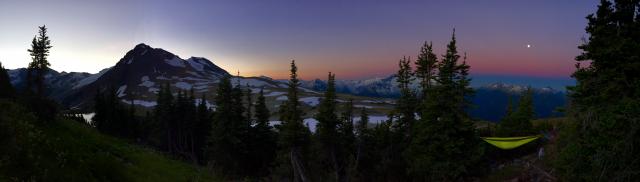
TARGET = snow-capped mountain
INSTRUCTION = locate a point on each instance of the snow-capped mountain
(140, 73)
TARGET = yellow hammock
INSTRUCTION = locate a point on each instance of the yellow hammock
(507, 143)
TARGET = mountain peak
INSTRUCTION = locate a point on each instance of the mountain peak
(142, 46)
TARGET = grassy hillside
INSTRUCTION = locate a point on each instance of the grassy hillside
(65, 150)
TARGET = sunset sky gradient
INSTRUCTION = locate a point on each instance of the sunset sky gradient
(354, 39)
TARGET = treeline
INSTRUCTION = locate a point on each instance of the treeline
(428, 136)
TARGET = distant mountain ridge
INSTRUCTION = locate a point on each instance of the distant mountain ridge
(387, 87)
(57, 83)
(138, 75)
(490, 100)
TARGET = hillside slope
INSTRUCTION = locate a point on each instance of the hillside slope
(66, 150)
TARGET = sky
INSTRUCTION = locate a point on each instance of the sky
(355, 39)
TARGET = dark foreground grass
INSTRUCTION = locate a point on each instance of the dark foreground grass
(102, 157)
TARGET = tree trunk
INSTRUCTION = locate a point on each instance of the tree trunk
(296, 164)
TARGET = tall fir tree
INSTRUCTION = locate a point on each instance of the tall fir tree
(406, 118)
(347, 138)
(226, 149)
(159, 134)
(406, 105)
(6, 89)
(202, 129)
(517, 121)
(249, 113)
(601, 140)
(294, 135)
(328, 133)
(463, 85)
(426, 66)
(445, 145)
(426, 70)
(364, 149)
(111, 117)
(264, 144)
(39, 65)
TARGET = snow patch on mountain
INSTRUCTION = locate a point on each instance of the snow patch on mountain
(373, 119)
(209, 105)
(309, 90)
(273, 94)
(282, 98)
(121, 90)
(153, 90)
(372, 101)
(175, 61)
(143, 103)
(311, 123)
(255, 90)
(91, 78)
(88, 116)
(195, 64)
(363, 106)
(183, 85)
(274, 123)
(311, 101)
(145, 82)
(201, 87)
(250, 82)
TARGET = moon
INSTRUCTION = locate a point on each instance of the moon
(528, 45)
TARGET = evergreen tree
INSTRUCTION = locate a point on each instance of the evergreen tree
(328, 133)
(133, 124)
(601, 141)
(6, 89)
(263, 148)
(39, 64)
(385, 168)
(463, 85)
(161, 134)
(406, 118)
(364, 152)
(445, 145)
(111, 117)
(99, 108)
(202, 129)
(406, 105)
(518, 122)
(347, 138)
(249, 114)
(426, 66)
(294, 135)
(261, 111)
(183, 126)
(426, 71)
(226, 149)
